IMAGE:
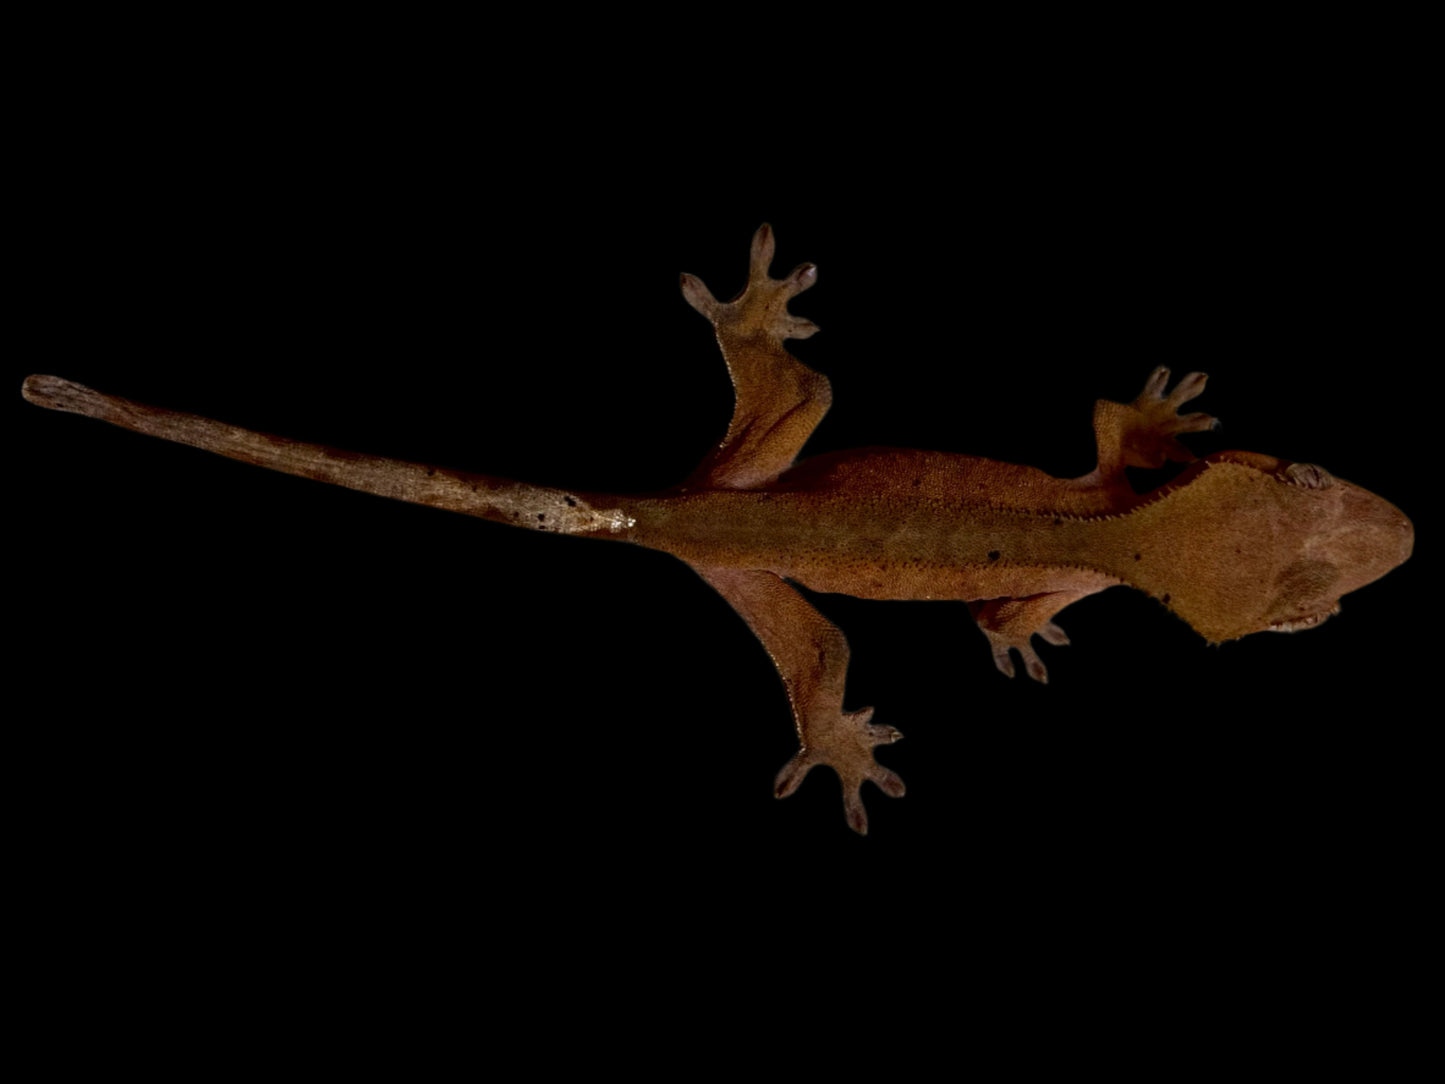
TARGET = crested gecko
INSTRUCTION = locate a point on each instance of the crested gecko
(1237, 543)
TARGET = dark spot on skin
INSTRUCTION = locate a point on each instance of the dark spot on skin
(993, 555)
(1137, 557)
(1166, 600)
(541, 515)
(917, 482)
(1057, 521)
(430, 471)
(571, 502)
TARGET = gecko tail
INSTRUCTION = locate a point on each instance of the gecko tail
(499, 499)
(53, 393)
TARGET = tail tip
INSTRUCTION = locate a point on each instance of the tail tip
(34, 387)
(51, 392)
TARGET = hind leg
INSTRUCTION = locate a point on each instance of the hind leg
(811, 655)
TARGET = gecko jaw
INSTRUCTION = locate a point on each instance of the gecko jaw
(1309, 622)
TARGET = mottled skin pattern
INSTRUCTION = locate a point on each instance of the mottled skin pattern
(1237, 543)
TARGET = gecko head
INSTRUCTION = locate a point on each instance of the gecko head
(1277, 544)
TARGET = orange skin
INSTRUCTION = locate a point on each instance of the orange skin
(1237, 543)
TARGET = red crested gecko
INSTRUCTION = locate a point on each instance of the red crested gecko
(1237, 543)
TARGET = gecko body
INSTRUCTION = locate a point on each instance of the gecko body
(1237, 543)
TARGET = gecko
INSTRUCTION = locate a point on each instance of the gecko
(1236, 543)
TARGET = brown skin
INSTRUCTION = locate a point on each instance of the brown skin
(1238, 543)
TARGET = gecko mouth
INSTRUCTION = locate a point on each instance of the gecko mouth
(1294, 624)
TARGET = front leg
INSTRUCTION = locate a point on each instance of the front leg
(811, 654)
(1010, 624)
(1145, 433)
(779, 400)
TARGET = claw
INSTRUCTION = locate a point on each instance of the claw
(884, 735)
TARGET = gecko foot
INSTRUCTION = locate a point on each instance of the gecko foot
(1033, 665)
(847, 747)
(1010, 625)
(1149, 425)
(762, 307)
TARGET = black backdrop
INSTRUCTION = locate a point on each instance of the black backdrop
(232, 677)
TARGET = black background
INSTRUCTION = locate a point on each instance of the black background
(247, 685)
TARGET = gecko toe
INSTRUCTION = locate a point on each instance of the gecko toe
(882, 735)
(802, 277)
(856, 814)
(887, 781)
(1196, 423)
(792, 774)
(762, 252)
(1141, 433)
(1053, 634)
(1190, 386)
(845, 743)
(699, 296)
(1033, 665)
(762, 305)
(1155, 385)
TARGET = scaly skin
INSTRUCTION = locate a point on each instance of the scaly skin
(1238, 543)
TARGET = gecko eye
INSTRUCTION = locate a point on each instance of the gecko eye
(1308, 475)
